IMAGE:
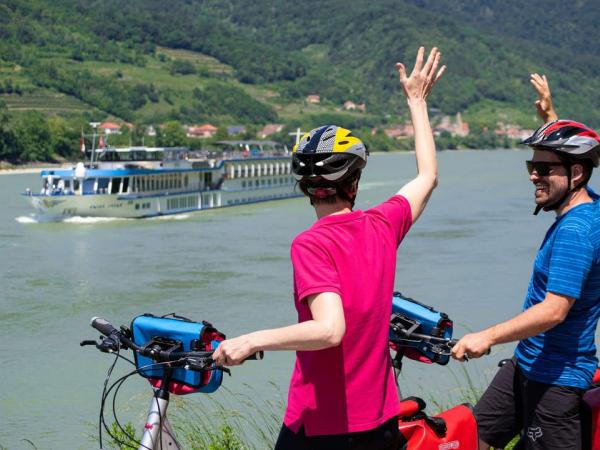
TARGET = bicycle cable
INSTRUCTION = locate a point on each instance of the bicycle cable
(117, 385)
(104, 393)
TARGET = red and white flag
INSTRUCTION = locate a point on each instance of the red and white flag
(82, 145)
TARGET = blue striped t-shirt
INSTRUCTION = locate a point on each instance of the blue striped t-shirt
(567, 263)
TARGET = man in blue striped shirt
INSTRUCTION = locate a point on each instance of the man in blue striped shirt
(539, 391)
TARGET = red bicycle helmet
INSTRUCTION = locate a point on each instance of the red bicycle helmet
(568, 138)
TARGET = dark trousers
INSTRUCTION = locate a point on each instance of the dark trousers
(548, 416)
(385, 437)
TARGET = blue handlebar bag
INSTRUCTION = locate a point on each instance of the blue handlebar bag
(180, 334)
(415, 317)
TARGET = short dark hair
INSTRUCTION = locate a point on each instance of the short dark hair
(345, 190)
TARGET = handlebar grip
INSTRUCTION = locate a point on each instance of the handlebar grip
(103, 326)
(256, 356)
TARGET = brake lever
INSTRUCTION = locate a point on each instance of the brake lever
(109, 344)
(87, 342)
(202, 364)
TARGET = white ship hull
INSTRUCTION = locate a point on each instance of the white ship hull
(113, 205)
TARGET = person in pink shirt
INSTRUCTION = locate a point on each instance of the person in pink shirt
(342, 393)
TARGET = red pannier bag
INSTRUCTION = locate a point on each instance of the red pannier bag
(591, 415)
(454, 428)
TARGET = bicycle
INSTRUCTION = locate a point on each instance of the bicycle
(169, 368)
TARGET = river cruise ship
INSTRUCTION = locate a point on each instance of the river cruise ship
(140, 182)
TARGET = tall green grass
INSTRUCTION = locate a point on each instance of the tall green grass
(251, 421)
(226, 421)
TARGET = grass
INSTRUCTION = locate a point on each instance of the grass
(486, 113)
(245, 421)
(237, 421)
(224, 421)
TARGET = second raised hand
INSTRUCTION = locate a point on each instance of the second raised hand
(544, 102)
(418, 85)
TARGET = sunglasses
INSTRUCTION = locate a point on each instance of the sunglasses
(542, 168)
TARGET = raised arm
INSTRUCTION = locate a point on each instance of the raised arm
(543, 104)
(417, 87)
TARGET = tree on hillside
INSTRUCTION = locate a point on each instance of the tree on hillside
(9, 145)
(65, 136)
(33, 133)
(171, 135)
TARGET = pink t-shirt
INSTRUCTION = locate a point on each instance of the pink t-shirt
(351, 387)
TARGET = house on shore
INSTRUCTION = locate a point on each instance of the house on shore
(202, 132)
(110, 128)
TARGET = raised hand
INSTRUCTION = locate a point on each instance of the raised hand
(544, 102)
(423, 77)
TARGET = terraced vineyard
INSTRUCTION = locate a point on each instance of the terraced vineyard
(48, 102)
(204, 61)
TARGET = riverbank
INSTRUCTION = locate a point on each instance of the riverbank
(10, 169)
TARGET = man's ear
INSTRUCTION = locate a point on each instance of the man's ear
(577, 174)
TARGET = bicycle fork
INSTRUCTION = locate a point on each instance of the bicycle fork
(158, 434)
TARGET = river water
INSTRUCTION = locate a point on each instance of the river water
(470, 255)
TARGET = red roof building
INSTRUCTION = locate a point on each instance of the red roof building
(203, 131)
(110, 128)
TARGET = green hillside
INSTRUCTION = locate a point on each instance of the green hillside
(238, 62)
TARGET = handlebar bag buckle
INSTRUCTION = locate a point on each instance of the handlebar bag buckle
(187, 335)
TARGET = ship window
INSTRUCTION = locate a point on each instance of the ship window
(103, 183)
(88, 185)
(243, 184)
(76, 185)
(185, 181)
(125, 188)
(116, 184)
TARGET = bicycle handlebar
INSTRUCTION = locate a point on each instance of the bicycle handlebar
(435, 340)
(114, 336)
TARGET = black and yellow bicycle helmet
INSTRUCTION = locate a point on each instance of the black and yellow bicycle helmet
(328, 154)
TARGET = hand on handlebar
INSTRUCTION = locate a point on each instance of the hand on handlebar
(473, 345)
(233, 352)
